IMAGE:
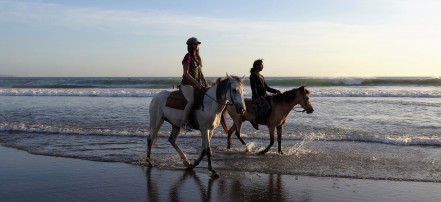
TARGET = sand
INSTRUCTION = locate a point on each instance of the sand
(28, 177)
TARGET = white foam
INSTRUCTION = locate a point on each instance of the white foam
(250, 146)
(92, 92)
(352, 91)
(40, 128)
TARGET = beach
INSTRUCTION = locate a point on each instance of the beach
(90, 108)
(28, 177)
(84, 139)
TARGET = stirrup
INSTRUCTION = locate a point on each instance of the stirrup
(187, 126)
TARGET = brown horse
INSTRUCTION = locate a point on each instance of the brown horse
(281, 106)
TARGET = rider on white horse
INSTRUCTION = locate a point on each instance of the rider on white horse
(225, 90)
(192, 77)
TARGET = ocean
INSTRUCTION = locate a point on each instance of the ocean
(364, 128)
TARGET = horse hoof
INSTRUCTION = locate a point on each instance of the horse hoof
(186, 163)
(281, 153)
(261, 152)
(190, 167)
(214, 174)
(149, 163)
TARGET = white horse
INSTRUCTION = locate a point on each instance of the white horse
(225, 90)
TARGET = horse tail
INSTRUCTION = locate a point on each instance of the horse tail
(223, 121)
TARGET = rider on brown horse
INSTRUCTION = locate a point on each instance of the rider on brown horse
(259, 89)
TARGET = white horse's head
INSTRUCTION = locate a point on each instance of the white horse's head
(231, 88)
(235, 93)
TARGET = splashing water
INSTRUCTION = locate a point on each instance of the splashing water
(301, 147)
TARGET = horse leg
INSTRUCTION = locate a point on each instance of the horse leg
(206, 134)
(155, 125)
(209, 154)
(172, 139)
(205, 141)
(279, 138)
(271, 131)
(238, 129)
(210, 168)
(197, 161)
(230, 134)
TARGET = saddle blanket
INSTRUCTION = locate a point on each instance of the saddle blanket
(176, 100)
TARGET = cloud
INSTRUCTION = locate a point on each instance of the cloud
(148, 22)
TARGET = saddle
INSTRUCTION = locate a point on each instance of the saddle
(251, 106)
(254, 108)
(176, 100)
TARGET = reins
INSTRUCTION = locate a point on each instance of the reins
(228, 87)
(211, 98)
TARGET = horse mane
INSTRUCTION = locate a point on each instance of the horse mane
(222, 83)
(288, 95)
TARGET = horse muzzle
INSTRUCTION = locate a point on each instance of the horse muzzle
(240, 109)
(309, 111)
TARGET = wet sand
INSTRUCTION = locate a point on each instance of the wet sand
(28, 177)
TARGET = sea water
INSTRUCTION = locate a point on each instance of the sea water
(379, 128)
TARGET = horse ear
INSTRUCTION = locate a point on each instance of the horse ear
(227, 74)
(243, 77)
(303, 87)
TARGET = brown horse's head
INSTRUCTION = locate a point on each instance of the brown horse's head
(295, 96)
(304, 99)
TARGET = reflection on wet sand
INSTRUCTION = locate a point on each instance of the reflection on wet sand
(197, 186)
(205, 193)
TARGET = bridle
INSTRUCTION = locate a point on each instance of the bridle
(229, 90)
(304, 100)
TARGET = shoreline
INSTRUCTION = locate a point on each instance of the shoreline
(29, 177)
(357, 160)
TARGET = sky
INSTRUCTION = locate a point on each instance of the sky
(295, 38)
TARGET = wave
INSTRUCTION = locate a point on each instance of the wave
(399, 140)
(88, 82)
(414, 92)
(421, 92)
(47, 129)
(80, 92)
(161, 82)
(48, 86)
(407, 140)
(297, 81)
(353, 81)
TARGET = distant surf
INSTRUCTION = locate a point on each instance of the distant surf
(340, 91)
(161, 82)
(150, 86)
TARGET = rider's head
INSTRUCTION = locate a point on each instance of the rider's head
(192, 44)
(193, 48)
(256, 65)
